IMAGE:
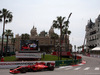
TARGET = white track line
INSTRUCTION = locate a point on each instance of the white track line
(97, 68)
(87, 68)
(63, 67)
(68, 68)
(77, 68)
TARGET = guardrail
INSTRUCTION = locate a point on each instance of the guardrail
(23, 63)
(68, 62)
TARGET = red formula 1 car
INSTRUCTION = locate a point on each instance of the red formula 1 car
(30, 68)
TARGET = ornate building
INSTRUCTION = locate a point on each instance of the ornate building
(46, 43)
(92, 34)
(51, 31)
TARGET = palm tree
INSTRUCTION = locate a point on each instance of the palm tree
(60, 24)
(6, 17)
(67, 33)
(7, 34)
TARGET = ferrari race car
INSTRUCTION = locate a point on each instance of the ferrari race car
(35, 67)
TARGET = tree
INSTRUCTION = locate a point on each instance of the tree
(25, 36)
(60, 23)
(6, 17)
(69, 32)
(66, 32)
(7, 34)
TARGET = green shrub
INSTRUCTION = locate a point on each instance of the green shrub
(47, 57)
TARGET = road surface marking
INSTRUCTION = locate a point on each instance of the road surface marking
(92, 73)
(63, 67)
(68, 68)
(97, 68)
(77, 68)
(87, 68)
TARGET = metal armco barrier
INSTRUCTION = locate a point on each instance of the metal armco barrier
(67, 62)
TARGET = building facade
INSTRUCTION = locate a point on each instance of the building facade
(92, 34)
(46, 43)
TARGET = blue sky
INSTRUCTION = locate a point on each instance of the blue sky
(41, 14)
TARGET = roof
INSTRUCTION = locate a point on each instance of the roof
(96, 49)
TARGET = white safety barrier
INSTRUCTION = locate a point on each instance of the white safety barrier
(20, 63)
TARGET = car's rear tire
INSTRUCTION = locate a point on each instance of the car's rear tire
(51, 68)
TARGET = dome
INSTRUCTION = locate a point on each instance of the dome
(33, 31)
(98, 18)
(51, 30)
(90, 23)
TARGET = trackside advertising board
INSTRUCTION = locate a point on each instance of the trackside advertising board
(28, 45)
(28, 49)
(28, 55)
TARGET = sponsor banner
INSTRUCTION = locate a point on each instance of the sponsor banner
(23, 63)
(28, 55)
(63, 53)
